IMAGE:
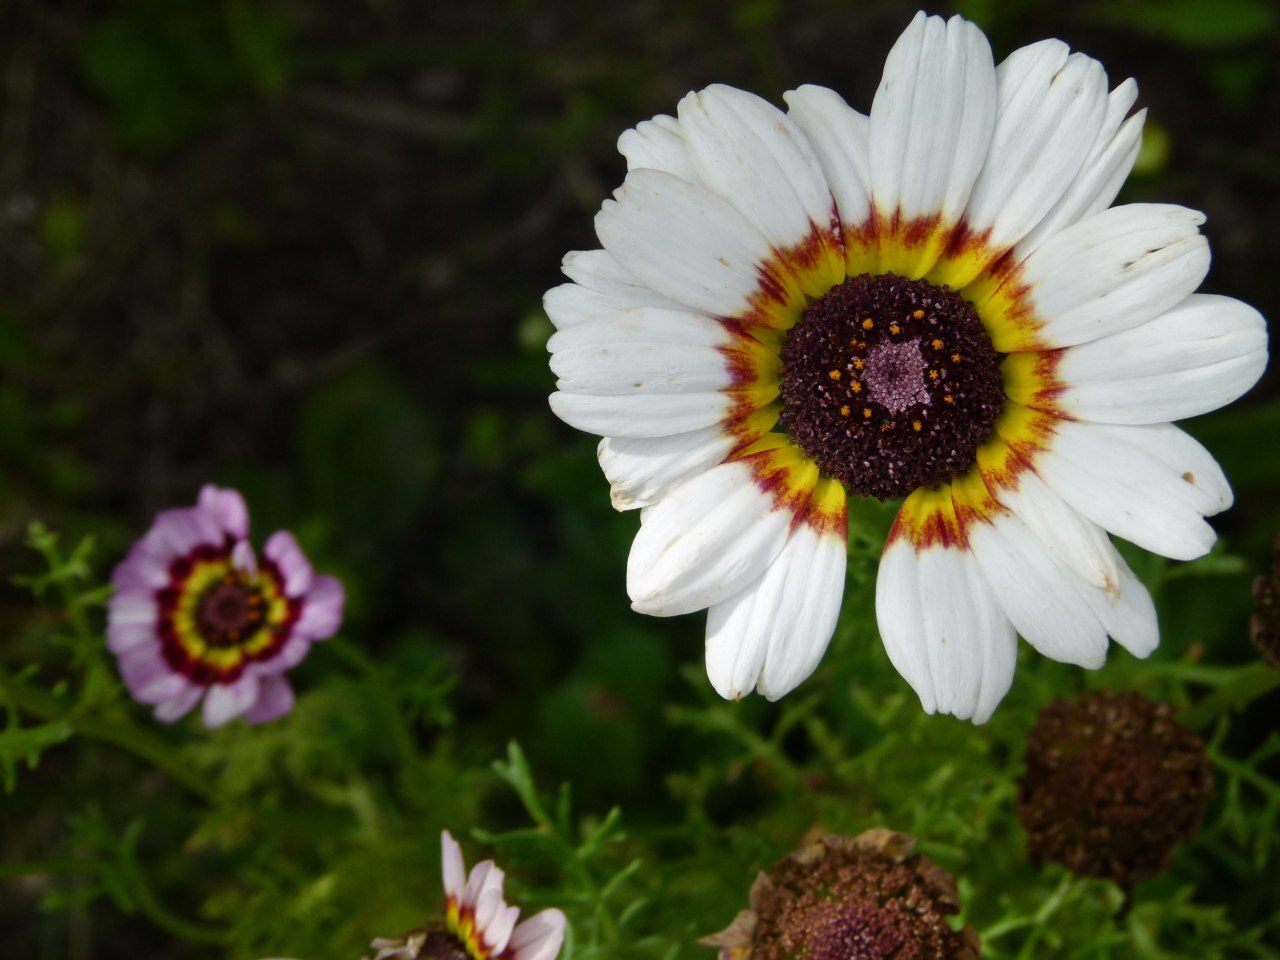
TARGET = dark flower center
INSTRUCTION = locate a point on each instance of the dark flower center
(890, 384)
(229, 612)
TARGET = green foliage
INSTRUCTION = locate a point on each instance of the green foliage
(313, 834)
(485, 569)
(165, 67)
(1193, 23)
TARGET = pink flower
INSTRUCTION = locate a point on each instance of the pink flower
(196, 614)
(477, 920)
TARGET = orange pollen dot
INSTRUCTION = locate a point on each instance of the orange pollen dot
(856, 387)
(845, 410)
(933, 374)
(868, 324)
(955, 358)
(866, 412)
(894, 328)
(917, 426)
(858, 363)
(936, 344)
(834, 374)
(948, 399)
(919, 314)
(885, 427)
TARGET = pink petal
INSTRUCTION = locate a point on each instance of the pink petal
(227, 508)
(322, 608)
(148, 677)
(282, 548)
(178, 706)
(275, 699)
(224, 702)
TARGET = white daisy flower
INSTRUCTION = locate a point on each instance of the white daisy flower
(935, 303)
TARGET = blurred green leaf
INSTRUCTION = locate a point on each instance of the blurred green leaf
(370, 453)
(63, 230)
(1192, 23)
(164, 67)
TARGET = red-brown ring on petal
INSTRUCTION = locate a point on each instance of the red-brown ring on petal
(929, 526)
(179, 655)
(777, 290)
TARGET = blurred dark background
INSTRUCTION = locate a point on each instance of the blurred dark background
(300, 248)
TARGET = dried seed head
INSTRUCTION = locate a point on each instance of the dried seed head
(861, 898)
(1112, 784)
(425, 944)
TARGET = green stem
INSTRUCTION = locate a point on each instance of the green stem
(1251, 683)
(1242, 771)
(149, 747)
(142, 743)
(145, 900)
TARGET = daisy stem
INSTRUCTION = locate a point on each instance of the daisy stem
(1249, 684)
(143, 898)
(114, 730)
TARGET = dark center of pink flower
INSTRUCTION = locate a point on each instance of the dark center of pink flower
(890, 384)
(229, 612)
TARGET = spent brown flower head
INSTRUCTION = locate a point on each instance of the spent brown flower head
(1112, 784)
(861, 898)
(1264, 625)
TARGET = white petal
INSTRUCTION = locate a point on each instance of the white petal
(901, 625)
(1074, 541)
(642, 325)
(839, 136)
(498, 931)
(452, 866)
(952, 633)
(1114, 271)
(1149, 484)
(658, 144)
(641, 414)
(641, 471)
(932, 119)
(774, 632)
(478, 881)
(705, 541)
(1051, 107)
(1045, 600)
(489, 902)
(628, 369)
(754, 155)
(683, 241)
(1104, 171)
(1200, 355)
(796, 647)
(1130, 616)
(539, 937)
(597, 270)
(600, 289)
